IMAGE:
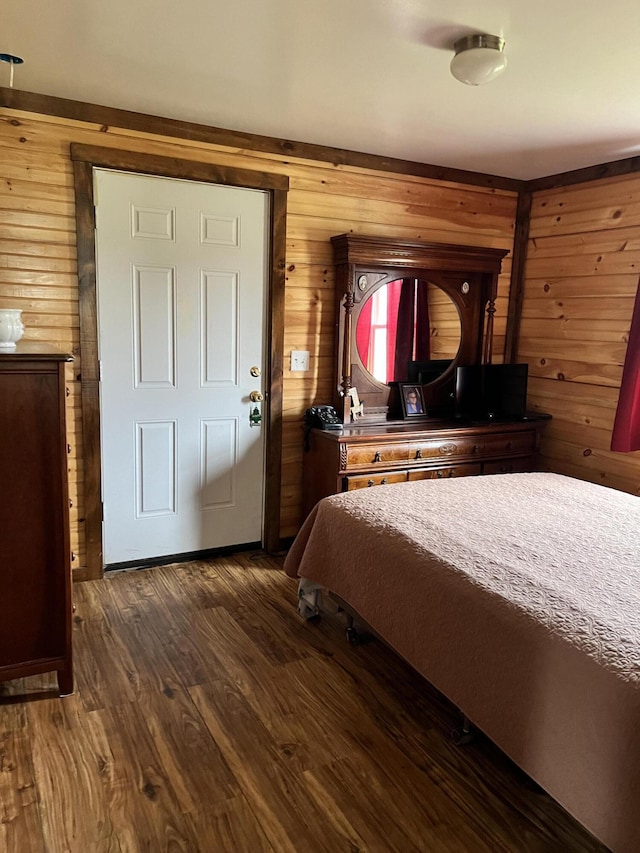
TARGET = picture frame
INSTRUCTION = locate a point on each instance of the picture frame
(412, 400)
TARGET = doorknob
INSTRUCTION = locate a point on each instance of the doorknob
(256, 397)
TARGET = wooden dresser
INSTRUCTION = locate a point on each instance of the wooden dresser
(35, 557)
(361, 457)
(449, 294)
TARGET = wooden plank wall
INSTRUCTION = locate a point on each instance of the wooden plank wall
(38, 261)
(581, 277)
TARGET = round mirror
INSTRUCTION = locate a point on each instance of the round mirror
(408, 330)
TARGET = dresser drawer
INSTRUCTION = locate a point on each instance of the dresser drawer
(364, 481)
(509, 466)
(463, 470)
(360, 457)
(509, 444)
(409, 452)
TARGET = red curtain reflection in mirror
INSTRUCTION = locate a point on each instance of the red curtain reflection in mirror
(412, 337)
(394, 293)
(399, 313)
(364, 335)
(626, 427)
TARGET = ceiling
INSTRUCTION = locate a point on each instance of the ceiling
(364, 75)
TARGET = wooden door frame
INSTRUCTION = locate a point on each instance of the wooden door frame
(87, 157)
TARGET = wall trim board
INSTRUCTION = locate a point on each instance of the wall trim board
(518, 264)
(155, 164)
(84, 159)
(32, 102)
(613, 169)
(111, 117)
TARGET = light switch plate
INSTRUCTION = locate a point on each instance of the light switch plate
(299, 359)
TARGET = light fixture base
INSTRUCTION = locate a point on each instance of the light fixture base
(478, 40)
(9, 57)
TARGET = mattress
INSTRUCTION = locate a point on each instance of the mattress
(517, 596)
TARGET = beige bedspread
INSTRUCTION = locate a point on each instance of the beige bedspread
(518, 596)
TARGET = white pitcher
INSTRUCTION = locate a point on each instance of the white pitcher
(11, 328)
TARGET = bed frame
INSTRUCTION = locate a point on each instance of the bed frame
(518, 597)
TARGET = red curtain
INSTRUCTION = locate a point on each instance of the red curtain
(423, 331)
(406, 324)
(394, 289)
(412, 342)
(363, 335)
(408, 335)
(626, 427)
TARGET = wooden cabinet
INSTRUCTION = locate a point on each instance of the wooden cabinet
(35, 558)
(360, 457)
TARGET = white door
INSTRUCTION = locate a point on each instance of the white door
(182, 284)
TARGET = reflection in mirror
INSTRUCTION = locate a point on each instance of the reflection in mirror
(408, 330)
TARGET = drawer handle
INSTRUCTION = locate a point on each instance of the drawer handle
(509, 445)
(439, 474)
(383, 481)
(377, 457)
(451, 473)
(419, 453)
(370, 483)
(476, 448)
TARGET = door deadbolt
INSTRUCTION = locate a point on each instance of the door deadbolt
(255, 371)
(256, 397)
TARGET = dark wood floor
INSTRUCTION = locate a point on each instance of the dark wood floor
(208, 717)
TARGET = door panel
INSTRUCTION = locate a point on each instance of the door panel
(219, 462)
(155, 468)
(219, 298)
(182, 275)
(154, 327)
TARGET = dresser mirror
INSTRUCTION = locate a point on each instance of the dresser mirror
(407, 330)
(409, 312)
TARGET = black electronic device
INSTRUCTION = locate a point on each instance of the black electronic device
(487, 392)
(322, 417)
(423, 372)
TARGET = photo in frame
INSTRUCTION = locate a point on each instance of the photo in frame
(412, 400)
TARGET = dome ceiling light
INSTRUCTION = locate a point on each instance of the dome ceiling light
(479, 58)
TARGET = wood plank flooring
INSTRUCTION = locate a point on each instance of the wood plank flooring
(208, 717)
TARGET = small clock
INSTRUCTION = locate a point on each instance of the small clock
(362, 282)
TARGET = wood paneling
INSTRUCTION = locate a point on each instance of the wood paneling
(582, 272)
(341, 194)
(107, 118)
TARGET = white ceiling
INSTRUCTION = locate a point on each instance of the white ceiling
(365, 75)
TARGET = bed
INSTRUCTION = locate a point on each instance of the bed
(518, 597)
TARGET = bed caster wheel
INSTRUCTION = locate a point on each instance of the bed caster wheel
(463, 735)
(462, 738)
(353, 636)
(308, 613)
